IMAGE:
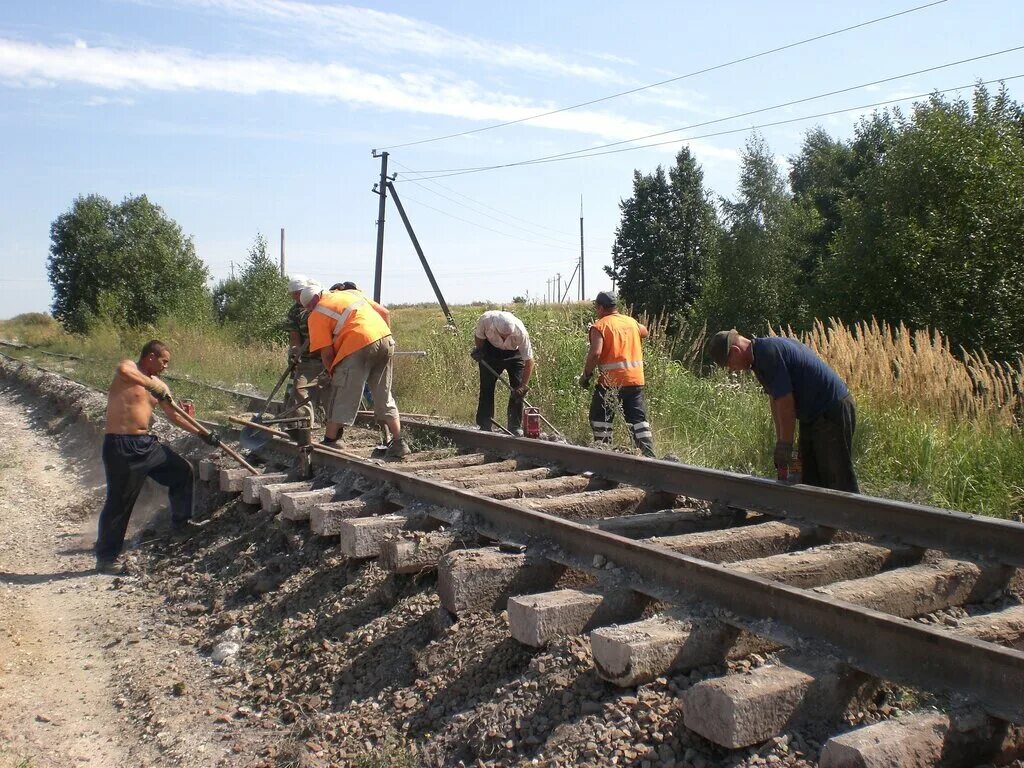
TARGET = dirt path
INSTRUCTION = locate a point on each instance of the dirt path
(86, 677)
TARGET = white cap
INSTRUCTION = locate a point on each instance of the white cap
(308, 293)
(297, 283)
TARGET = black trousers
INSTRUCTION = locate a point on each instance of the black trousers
(128, 460)
(826, 448)
(602, 414)
(500, 360)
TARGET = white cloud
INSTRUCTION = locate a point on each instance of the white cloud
(109, 101)
(34, 64)
(381, 31)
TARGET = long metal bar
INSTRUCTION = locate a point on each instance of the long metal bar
(419, 252)
(875, 643)
(977, 537)
(203, 432)
(512, 392)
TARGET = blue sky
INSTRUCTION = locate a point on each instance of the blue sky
(245, 116)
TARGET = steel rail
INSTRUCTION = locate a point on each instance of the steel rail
(984, 538)
(875, 643)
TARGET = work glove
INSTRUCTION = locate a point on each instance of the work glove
(159, 390)
(477, 353)
(294, 355)
(521, 391)
(324, 379)
(211, 438)
(584, 380)
(782, 454)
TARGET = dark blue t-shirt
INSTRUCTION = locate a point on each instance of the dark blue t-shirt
(784, 365)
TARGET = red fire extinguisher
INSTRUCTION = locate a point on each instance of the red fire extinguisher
(531, 422)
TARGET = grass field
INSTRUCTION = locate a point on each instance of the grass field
(932, 426)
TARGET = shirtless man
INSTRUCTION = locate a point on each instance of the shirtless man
(131, 453)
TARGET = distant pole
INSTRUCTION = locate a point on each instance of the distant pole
(547, 292)
(559, 294)
(382, 190)
(583, 290)
(232, 270)
(284, 273)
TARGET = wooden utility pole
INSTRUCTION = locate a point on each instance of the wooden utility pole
(559, 294)
(284, 273)
(382, 190)
(583, 290)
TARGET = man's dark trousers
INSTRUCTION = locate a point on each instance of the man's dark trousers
(128, 460)
(826, 447)
(500, 360)
(602, 414)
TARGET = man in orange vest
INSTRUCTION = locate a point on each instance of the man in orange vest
(616, 352)
(353, 335)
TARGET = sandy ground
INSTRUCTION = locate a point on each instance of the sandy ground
(86, 677)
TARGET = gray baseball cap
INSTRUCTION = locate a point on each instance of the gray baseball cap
(720, 344)
(606, 299)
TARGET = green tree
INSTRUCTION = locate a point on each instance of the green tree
(935, 236)
(257, 300)
(225, 300)
(667, 233)
(752, 283)
(821, 177)
(129, 263)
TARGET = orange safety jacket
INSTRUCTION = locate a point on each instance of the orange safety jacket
(348, 321)
(621, 363)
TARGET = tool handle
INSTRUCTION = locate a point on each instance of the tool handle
(525, 401)
(284, 436)
(495, 423)
(203, 431)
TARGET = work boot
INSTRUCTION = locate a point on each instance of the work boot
(398, 448)
(183, 529)
(113, 567)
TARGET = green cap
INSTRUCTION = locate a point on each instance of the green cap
(720, 344)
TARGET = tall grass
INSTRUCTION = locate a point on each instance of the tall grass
(920, 371)
(934, 425)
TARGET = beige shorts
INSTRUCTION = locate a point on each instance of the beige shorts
(372, 365)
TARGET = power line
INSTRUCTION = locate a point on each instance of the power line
(562, 232)
(677, 78)
(794, 102)
(576, 156)
(482, 213)
(481, 226)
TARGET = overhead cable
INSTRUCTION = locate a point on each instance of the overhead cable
(560, 243)
(595, 149)
(578, 156)
(675, 79)
(482, 226)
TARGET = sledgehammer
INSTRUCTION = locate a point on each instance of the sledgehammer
(203, 432)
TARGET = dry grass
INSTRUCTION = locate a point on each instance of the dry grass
(920, 371)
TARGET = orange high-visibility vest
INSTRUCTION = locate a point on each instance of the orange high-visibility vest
(621, 363)
(348, 321)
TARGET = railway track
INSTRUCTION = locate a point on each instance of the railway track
(670, 567)
(676, 567)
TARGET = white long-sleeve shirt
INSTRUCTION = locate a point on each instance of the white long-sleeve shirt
(505, 331)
